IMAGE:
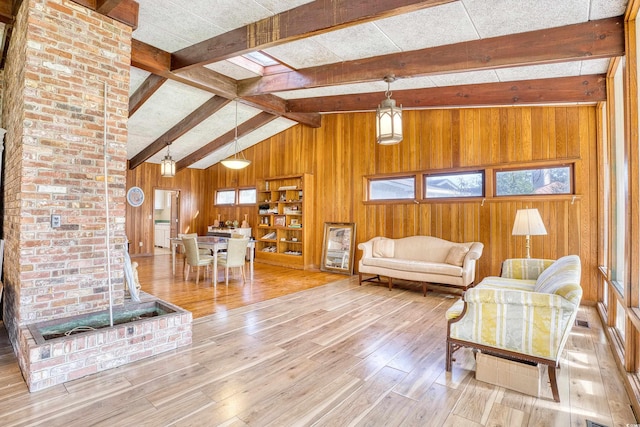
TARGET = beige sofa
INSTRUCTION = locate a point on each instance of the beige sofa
(424, 259)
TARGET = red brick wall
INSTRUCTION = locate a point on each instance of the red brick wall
(60, 55)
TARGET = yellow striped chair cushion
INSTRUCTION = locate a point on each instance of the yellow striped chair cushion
(524, 268)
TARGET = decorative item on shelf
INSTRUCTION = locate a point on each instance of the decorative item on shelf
(528, 223)
(264, 222)
(266, 185)
(245, 223)
(235, 223)
(236, 162)
(283, 198)
(287, 187)
(295, 224)
(279, 220)
(228, 223)
(168, 165)
(263, 209)
(388, 118)
(216, 223)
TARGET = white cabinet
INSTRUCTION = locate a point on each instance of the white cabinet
(162, 235)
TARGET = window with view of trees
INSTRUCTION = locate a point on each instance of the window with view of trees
(225, 197)
(540, 181)
(468, 184)
(392, 188)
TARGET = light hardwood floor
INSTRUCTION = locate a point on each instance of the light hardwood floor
(332, 355)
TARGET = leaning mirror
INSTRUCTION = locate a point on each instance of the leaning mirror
(338, 247)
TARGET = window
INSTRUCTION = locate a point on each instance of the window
(468, 184)
(247, 196)
(522, 182)
(225, 197)
(392, 188)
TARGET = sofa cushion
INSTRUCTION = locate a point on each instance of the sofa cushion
(383, 248)
(562, 278)
(456, 255)
(414, 266)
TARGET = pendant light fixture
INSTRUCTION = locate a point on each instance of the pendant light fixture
(388, 118)
(168, 165)
(236, 162)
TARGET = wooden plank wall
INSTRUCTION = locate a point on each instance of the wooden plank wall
(343, 150)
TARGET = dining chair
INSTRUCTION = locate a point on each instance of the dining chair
(202, 251)
(194, 259)
(234, 257)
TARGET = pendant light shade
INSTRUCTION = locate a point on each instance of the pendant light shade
(168, 165)
(388, 118)
(236, 162)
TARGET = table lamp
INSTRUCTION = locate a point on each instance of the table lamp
(528, 223)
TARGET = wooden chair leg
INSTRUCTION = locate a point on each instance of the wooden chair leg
(554, 383)
(226, 275)
(197, 274)
(448, 366)
(390, 283)
(188, 272)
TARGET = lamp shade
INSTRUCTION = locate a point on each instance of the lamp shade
(168, 167)
(528, 223)
(388, 123)
(235, 163)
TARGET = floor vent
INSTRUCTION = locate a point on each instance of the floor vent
(585, 324)
(593, 423)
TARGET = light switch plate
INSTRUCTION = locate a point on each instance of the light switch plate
(55, 221)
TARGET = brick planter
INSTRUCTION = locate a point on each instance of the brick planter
(63, 359)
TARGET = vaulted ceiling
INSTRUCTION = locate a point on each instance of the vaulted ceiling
(191, 60)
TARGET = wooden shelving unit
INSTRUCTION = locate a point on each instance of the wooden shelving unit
(284, 221)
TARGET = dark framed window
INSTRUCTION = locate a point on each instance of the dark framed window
(538, 181)
(397, 188)
(465, 184)
(225, 197)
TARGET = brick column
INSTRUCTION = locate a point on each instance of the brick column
(60, 57)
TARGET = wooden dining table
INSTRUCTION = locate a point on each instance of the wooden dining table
(216, 244)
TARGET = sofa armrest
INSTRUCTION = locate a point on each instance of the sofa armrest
(532, 323)
(524, 268)
(367, 247)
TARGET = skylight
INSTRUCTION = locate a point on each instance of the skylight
(261, 59)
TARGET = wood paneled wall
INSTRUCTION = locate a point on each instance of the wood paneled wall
(343, 150)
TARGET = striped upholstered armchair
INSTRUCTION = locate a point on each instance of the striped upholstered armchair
(525, 314)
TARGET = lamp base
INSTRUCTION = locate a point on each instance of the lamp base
(527, 245)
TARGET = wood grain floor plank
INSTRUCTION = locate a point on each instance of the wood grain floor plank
(335, 353)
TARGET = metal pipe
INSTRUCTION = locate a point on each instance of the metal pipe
(106, 200)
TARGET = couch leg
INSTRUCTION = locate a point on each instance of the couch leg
(554, 383)
(390, 283)
(360, 278)
(424, 289)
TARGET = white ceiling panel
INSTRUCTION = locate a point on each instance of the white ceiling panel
(171, 26)
(467, 78)
(232, 70)
(270, 129)
(606, 8)
(594, 66)
(166, 107)
(277, 6)
(532, 72)
(228, 14)
(499, 17)
(217, 125)
(303, 54)
(359, 41)
(136, 78)
(435, 26)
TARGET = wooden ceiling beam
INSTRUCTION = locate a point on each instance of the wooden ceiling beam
(310, 19)
(278, 106)
(125, 11)
(595, 39)
(144, 92)
(540, 91)
(185, 125)
(243, 129)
